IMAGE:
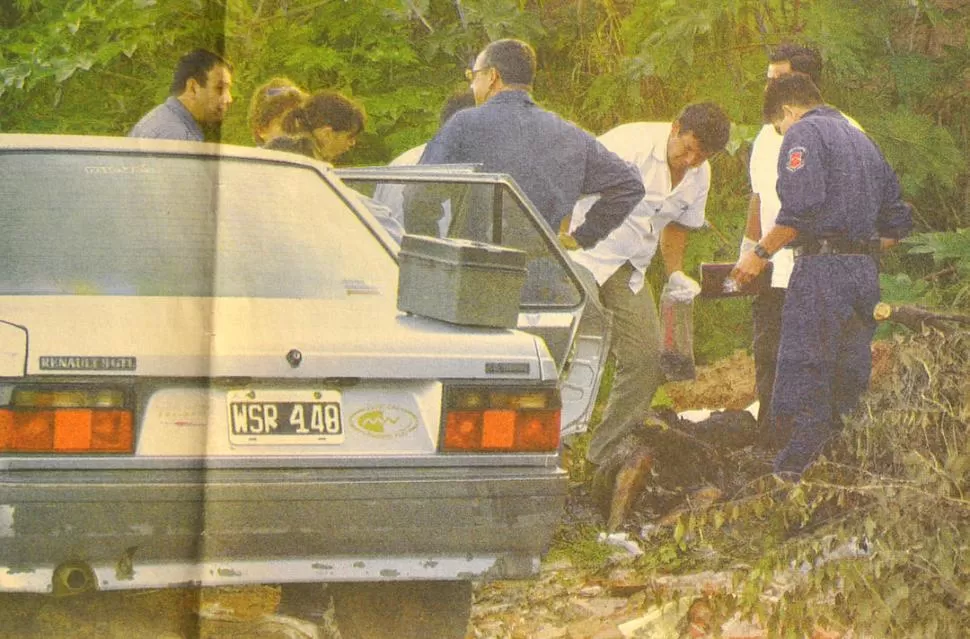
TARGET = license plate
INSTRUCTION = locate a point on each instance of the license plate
(284, 417)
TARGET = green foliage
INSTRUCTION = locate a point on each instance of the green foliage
(580, 546)
(897, 66)
(873, 536)
(926, 159)
(946, 248)
(951, 256)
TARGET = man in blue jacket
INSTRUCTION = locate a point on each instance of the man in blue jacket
(552, 160)
(838, 197)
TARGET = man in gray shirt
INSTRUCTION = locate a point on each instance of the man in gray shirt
(199, 95)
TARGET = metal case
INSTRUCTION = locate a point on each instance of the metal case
(460, 281)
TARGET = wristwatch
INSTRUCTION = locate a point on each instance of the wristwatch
(761, 252)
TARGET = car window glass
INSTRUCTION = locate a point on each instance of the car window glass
(113, 224)
(485, 212)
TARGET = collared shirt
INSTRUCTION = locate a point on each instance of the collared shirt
(170, 120)
(834, 182)
(644, 145)
(552, 160)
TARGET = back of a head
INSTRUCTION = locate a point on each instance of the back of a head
(514, 60)
(271, 101)
(802, 59)
(464, 99)
(195, 65)
(709, 124)
(795, 89)
(326, 108)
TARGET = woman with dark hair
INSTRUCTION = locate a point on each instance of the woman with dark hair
(326, 124)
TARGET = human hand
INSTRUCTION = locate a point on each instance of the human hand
(568, 242)
(682, 288)
(749, 266)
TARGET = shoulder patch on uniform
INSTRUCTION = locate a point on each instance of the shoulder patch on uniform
(796, 158)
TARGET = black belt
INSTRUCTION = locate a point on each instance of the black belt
(835, 246)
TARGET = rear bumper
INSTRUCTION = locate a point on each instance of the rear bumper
(152, 529)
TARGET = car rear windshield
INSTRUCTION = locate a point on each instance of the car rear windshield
(87, 223)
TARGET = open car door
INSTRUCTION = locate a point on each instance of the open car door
(558, 303)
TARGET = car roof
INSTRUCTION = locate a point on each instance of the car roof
(70, 142)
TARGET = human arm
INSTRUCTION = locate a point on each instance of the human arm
(763, 175)
(895, 217)
(673, 241)
(752, 228)
(750, 264)
(620, 188)
(801, 186)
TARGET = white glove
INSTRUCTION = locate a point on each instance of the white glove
(681, 288)
(747, 244)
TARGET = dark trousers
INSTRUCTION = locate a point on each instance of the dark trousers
(766, 320)
(824, 359)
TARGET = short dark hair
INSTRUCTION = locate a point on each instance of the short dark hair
(514, 60)
(464, 99)
(195, 65)
(709, 124)
(802, 59)
(794, 89)
(326, 108)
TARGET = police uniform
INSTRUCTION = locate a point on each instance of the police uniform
(838, 192)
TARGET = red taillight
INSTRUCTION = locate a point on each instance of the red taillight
(71, 421)
(479, 419)
(538, 431)
(463, 431)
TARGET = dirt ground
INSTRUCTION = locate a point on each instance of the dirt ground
(728, 383)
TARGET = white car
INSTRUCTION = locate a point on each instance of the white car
(205, 380)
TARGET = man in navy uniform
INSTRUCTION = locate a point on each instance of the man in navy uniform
(839, 201)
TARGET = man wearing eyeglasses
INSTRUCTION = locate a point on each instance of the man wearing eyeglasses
(552, 160)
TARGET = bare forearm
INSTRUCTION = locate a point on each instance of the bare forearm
(673, 241)
(778, 237)
(752, 229)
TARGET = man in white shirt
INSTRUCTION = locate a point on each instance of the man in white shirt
(391, 194)
(763, 208)
(672, 161)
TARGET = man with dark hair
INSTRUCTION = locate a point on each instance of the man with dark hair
(552, 160)
(763, 208)
(672, 161)
(199, 95)
(837, 194)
